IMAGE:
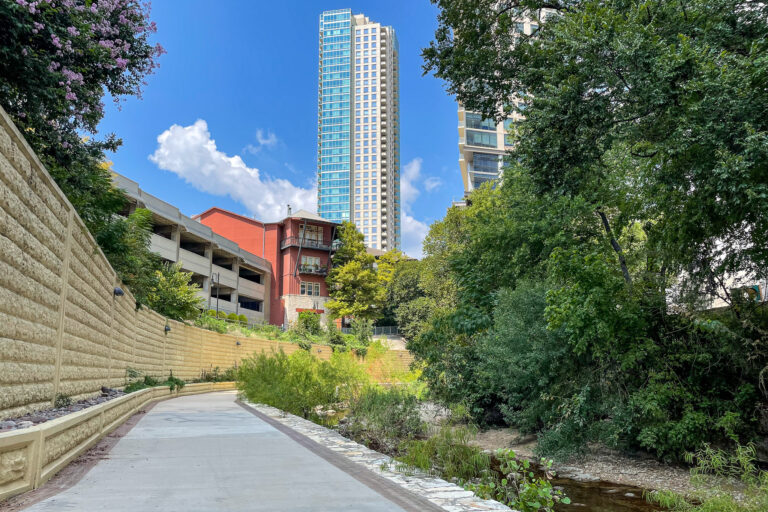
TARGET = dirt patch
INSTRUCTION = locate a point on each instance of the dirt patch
(597, 465)
(76, 469)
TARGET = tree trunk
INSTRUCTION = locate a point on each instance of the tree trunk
(616, 246)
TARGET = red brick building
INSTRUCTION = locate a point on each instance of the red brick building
(299, 249)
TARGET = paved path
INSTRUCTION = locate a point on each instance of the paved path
(206, 453)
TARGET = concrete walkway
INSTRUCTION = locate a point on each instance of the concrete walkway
(206, 453)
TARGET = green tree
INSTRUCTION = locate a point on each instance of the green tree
(353, 282)
(57, 60)
(173, 295)
(637, 170)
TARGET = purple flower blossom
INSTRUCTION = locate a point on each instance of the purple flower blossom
(121, 63)
(56, 41)
(73, 31)
(70, 96)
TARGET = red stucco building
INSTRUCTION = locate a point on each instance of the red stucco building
(299, 250)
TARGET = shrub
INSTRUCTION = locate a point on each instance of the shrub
(211, 323)
(174, 383)
(518, 487)
(300, 382)
(212, 312)
(242, 319)
(447, 454)
(334, 337)
(62, 401)
(222, 315)
(309, 322)
(383, 418)
(233, 317)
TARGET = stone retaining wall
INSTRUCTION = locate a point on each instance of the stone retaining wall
(62, 330)
(30, 457)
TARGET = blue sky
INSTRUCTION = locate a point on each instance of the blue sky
(234, 106)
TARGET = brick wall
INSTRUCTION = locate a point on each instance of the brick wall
(61, 328)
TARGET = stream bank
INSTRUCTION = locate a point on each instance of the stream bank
(598, 465)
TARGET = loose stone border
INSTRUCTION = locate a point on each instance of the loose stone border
(446, 495)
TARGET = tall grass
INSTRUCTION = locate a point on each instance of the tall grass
(300, 382)
(723, 481)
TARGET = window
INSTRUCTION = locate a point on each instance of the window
(314, 233)
(477, 122)
(485, 139)
(312, 261)
(486, 163)
(307, 288)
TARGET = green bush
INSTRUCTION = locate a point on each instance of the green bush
(146, 382)
(211, 323)
(222, 315)
(174, 383)
(383, 419)
(309, 323)
(447, 454)
(212, 312)
(242, 319)
(300, 382)
(62, 401)
(233, 317)
(334, 337)
(518, 487)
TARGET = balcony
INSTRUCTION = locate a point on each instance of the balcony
(295, 241)
(315, 270)
(165, 247)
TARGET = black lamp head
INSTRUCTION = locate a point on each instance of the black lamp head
(118, 291)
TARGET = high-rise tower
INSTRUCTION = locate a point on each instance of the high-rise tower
(358, 146)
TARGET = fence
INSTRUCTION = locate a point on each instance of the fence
(387, 330)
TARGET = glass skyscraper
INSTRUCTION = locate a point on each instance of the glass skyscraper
(359, 126)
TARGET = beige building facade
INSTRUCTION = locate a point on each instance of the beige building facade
(231, 279)
(359, 126)
(483, 142)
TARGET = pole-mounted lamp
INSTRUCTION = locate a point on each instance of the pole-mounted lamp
(167, 328)
(118, 292)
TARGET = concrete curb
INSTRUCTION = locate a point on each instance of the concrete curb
(29, 457)
(445, 495)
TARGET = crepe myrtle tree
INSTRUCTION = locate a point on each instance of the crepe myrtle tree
(58, 58)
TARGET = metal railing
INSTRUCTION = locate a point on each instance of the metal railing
(299, 242)
(317, 270)
(385, 330)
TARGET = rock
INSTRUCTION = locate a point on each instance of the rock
(630, 495)
(24, 424)
(37, 419)
(7, 425)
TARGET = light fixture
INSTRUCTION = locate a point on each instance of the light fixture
(237, 343)
(167, 328)
(118, 292)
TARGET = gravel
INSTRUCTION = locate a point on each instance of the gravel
(38, 417)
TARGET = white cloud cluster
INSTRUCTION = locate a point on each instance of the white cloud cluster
(413, 230)
(191, 153)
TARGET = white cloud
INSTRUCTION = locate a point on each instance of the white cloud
(191, 153)
(262, 141)
(408, 183)
(413, 231)
(432, 183)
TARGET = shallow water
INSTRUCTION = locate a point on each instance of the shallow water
(602, 497)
